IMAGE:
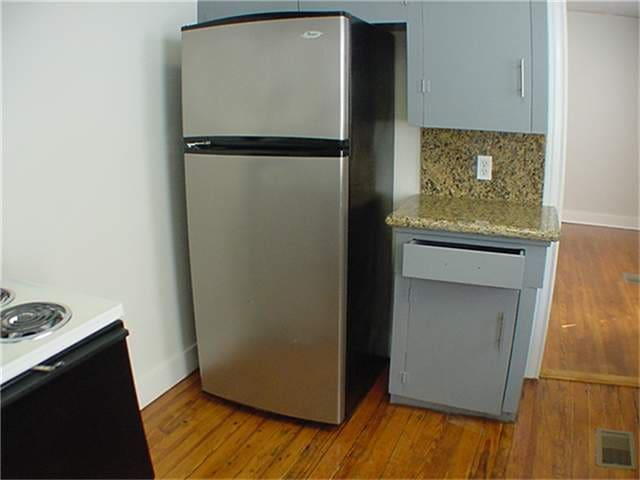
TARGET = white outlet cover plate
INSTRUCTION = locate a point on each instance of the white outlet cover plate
(484, 165)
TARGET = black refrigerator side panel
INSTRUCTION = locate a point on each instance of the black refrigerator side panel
(85, 423)
(370, 201)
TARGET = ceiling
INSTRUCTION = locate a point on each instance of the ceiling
(625, 8)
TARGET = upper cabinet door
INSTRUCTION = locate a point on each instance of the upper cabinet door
(214, 10)
(372, 12)
(415, 64)
(539, 67)
(477, 65)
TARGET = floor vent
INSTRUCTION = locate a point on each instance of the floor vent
(631, 277)
(615, 449)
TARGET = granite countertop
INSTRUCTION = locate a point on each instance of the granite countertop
(498, 218)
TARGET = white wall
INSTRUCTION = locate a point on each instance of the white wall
(602, 137)
(93, 176)
(2, 4)
(554, 172)
(407, 137)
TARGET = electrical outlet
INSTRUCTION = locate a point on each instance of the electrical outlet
(484, 164)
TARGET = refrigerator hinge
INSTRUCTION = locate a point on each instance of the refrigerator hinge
(425, 86)
(404, 377)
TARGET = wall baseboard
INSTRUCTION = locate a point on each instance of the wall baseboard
(164, 376)
(600, 219)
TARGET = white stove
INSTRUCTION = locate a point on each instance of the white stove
(39, 322)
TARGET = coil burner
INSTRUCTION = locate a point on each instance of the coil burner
(31, 320)
(6, 296)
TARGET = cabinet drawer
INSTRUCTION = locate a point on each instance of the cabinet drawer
(459, 263)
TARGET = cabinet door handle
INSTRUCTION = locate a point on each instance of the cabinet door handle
(499, 329)
(522, 77)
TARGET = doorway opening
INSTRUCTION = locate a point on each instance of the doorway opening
(594, 328)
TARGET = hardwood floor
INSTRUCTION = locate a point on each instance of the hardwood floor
(195, 435)
(595, 317)
(593, 336)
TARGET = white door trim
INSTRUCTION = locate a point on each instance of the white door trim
(554, 170)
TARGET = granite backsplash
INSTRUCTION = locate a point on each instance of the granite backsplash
(448, 164)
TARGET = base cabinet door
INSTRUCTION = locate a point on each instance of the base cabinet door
(453, 345)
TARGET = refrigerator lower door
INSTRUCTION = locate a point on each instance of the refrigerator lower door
(267, 240)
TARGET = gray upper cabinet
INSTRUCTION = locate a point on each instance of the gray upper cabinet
(539, 67)
(213, 10)
(470, 65)
(478, 65)
(372, 12)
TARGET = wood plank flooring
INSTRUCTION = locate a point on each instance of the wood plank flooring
(593, 332)
(595, 316)
(195, 435)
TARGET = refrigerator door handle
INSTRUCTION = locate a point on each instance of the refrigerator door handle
(199, 143)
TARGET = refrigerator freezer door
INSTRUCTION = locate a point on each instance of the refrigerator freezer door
(284, 77)
(267, 239)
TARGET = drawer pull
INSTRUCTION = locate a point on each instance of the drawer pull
(499, 329)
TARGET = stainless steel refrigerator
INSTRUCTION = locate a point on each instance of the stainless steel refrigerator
(288, 134)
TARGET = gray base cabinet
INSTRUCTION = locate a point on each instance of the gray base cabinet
(463, 312)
